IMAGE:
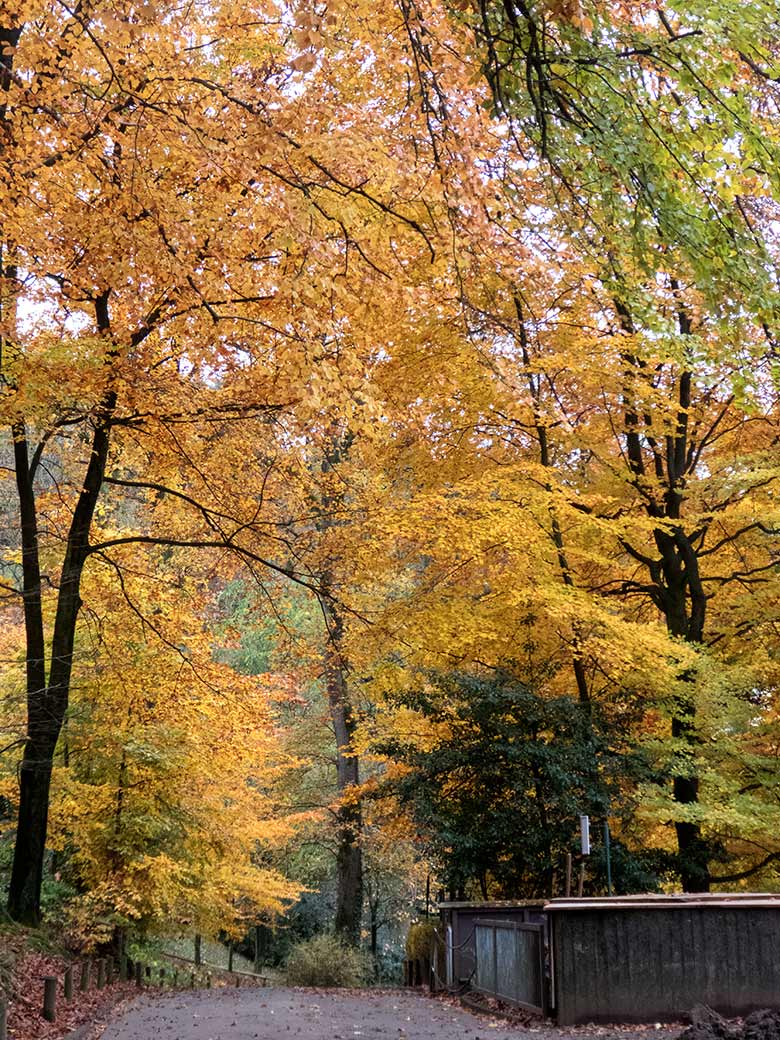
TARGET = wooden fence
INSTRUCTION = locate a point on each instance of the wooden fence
(98, 973)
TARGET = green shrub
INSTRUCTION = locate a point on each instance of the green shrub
(326, 961)
(419, 941)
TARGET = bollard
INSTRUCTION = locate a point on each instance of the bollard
(50, 998)
(101, 974)
(3, 1021)
(258, 951)
(139, 969)
(86, 971)
(67, 984)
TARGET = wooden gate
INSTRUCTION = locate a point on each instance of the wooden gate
(510, 963)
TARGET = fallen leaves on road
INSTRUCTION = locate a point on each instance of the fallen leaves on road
(25, 1017)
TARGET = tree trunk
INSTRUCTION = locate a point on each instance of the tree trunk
(349, 855)
(47, 701)
(534, 387)
(684, 605)
(677, 589)
(373, 911)
(349, 819)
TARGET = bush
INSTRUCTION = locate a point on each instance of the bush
(419, 941)
(326, 961)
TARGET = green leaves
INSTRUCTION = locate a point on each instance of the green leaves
(498, 794)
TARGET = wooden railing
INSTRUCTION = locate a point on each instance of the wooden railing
(97, 973)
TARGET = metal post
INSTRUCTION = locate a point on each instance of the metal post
(608, 852)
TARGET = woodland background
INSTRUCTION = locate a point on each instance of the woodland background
(389, 466)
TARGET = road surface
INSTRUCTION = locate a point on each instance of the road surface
(287, 1014)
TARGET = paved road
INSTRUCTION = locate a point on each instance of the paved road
(285, 1014)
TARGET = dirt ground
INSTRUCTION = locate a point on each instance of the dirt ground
(287, 1014)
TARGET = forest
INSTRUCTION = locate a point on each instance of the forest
(390, 458)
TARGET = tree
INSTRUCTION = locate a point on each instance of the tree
(644, 136)
(163, 802)
(501, 778)
(141, 307)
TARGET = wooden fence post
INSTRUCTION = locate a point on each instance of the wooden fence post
(138, 972)
(101, 974)
(192, 980)
(175, 978)
(197, 951)
(50, 998)
(230, 956)
(238, 981)
(208, 980)
(123, 968)
(162, 976)
(257, 948)
(86, 971)
(3, 1021)
(67, 984)
(109, 969)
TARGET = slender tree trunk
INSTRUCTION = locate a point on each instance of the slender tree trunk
(349, 819)
(349, 855)
(36, 765)
(534, 387)
(47, 701)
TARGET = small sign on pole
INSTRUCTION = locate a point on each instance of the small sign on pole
(585, 835)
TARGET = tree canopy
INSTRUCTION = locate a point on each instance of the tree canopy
(389, 397)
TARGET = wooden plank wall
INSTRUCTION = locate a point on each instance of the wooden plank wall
(645, 964)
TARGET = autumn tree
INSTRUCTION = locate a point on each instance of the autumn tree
(162, 811)
(130, 301)
(646, 135)
(499, 784)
